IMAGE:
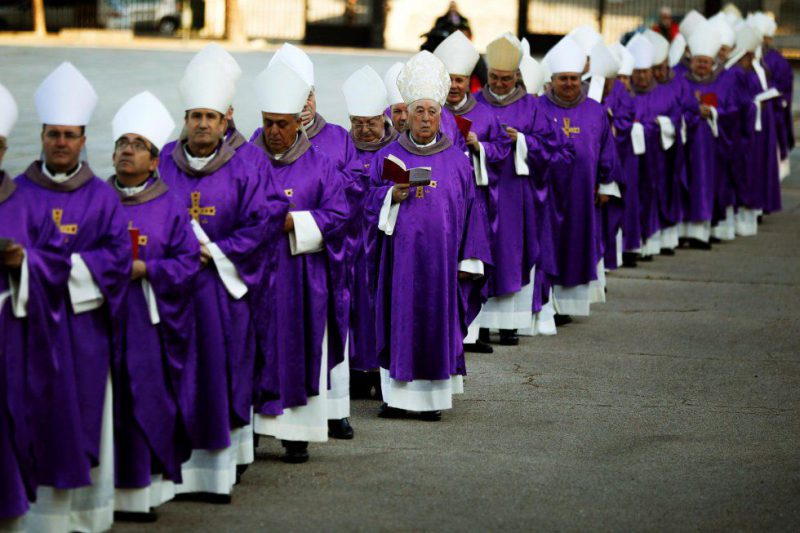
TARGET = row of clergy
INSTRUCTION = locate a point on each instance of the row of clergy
(215, 288)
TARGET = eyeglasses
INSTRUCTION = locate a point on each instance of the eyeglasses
(366, 125)
(68, 135)
(138, 146)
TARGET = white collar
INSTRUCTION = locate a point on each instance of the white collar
(422, 145)
(60, 177)
(198, 163)
(500, 97)
(130, 191)
(462, 102)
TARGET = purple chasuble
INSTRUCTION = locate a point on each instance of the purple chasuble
(421, 308)
(149, 435)
(227, 199)
(89, 217)
(783, 79)
(307, 291)
(32, 369)
(579, 242)
(515, 242)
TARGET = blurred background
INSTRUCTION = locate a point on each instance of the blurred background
(402, 25)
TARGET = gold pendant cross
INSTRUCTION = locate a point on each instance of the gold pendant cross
(568, 130)
(196, 211)
(69, 229)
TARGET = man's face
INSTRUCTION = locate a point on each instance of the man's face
(724, 53)
(133, 157)
(567, 85)
(62, 147)
(666, 19)
(367, 129)
(423, 121)
(280, 131)
(768, 41)
(3, 149)
(502, 81)
(701, 66)
(400, 117)
(204, 129)
(642, 77)
(661, 72)
(458, 88)
(747, 61)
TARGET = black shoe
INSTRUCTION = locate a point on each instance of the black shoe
(240, 470)
(760, 219)
(485, 335)
(508, 337)
(478, 347)
(390, 412)
(667, 251)
(645, 258)
(562, 320)
(140, 518)
(430, 416)
(296, 452)
(340, 429)
(714, 240)
(683, 242)
(204, 497)
(629, 259)
(697, 244)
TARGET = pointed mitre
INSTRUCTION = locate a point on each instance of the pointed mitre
(364, 93)
(458, 54)
(65, 98)
(504, 53)
(216, 52)
(390, 81)
(602, 62)
(677, 48)
(705, 41)
(566, 56)
(533, 75)
(690, 22)
(660, 46)
(281, 89)
(8, 112)
(146, 116)
(624, 57)
(298, 60)
(586, 37)
(424, 77)
(642, 51)
(726, 34)
(203, 88)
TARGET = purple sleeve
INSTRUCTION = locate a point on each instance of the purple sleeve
(547, 144)
(331, 214)
(608, 164)
(498, 144)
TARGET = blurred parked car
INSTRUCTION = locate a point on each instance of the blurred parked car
(161, 15)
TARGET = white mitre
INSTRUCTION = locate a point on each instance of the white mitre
(458, 54)
(677, 48)
(146, 116)
(65, 98)
(8, 112)
(203, 88)
(364, 93)
(281, 89)
(424, 77)
(624, 57)
(747, 40)
(660, 46)
(214, 51)
(390, 81)
(297, 60)
(726, 33)
(705, 41)
(690, 22)
(504, 53)
(586, 37)
(566, 56)
(602, 61)
(533, 75)
(642, 52)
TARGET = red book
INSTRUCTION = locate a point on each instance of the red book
(464, 125)
(394, 170)
(134, 242)
(709, 99)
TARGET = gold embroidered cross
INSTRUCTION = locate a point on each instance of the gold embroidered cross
(69, 229)
(421, 190)
(567, 129)
(197, 210)
(142, 238)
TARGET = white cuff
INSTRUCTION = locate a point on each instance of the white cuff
(667, 131)
(762, 75)
(226, 269)
(471, 266)
(3, 297)
(388, 216)
(684, 133)
(712, 121)
(20, 290)
(521, 156)
(83, 291)
(609, 189)
(227, 272)
(596, 88)
(479, 167)
(763, 97)
(150, 300)
(637, 139)
(306, 238)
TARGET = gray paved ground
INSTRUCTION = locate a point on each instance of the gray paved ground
(674, 407)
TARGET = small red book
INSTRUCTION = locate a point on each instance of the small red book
(134, 242)
(395, 170)
(464, 125)
(709, 99)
